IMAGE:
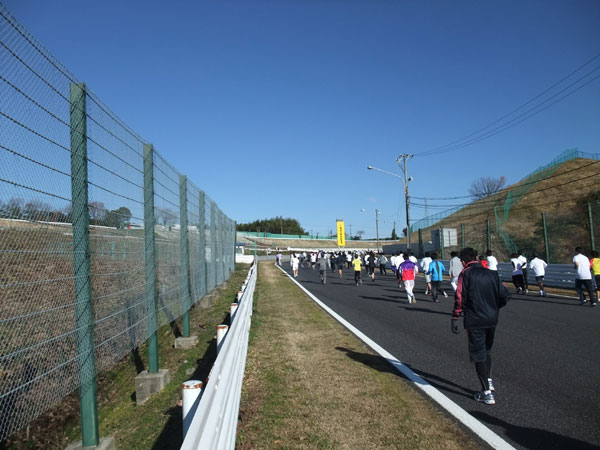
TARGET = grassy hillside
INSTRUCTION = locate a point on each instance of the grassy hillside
(563, 194)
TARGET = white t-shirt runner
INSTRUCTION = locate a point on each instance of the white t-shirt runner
(583, 267)
(538, 266)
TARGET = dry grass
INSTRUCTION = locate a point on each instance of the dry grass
(309, 383)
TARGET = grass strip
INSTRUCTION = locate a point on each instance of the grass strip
(311, 384)
(157, 424)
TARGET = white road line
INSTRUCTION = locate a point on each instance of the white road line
(460, 414)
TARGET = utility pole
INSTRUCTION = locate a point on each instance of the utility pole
(377, 227)
(404, 157)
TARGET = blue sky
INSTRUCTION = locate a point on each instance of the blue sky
(277, 107)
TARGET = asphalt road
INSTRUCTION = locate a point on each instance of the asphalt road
(546, 360)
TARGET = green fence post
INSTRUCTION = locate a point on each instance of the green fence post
(234, 230)
(591, 222)
(443, 254)
(202, 253)
(488, 233)
(150, 258)
(421, 249)
(462, 235)
(185, 256)
(213, 243)
(84, 306)
(546, 238)
(219, 241)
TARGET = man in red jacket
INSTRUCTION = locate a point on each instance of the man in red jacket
(479, 296)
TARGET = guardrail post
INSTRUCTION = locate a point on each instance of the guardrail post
(591, 221)
(84, 306)
(185, 258)
(190, 391)
(546, 246)
(150, 258)
(221, 332)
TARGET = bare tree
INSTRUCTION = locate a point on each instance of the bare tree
(483, 187)
(97, 211)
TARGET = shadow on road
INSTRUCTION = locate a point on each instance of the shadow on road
(443, 384)
(384, 298)
(430, 311)
(383, 365)
(534, 437)
(539, 300)
(374, 361)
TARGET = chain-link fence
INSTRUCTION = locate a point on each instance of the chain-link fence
(549, 217)
(101, 239)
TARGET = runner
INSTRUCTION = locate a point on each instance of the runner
(294, 262)
(425, 268)
(595, 265)
(517, 274)
(583, 278)
(356, 263)
(456, 268)
(492, 261)
(538, 266)
(436, 272)
(341, 259)
(523, 261)
(408, 270)
(479, 297)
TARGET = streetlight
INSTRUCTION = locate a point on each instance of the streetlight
(377, 212)
(406, 179)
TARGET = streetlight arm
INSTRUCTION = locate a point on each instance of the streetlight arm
(384, 171)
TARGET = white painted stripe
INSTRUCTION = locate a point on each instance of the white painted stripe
(460, 414)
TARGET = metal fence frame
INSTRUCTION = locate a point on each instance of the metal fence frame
(102, 241)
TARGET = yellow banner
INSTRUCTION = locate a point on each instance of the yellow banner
(341, 234)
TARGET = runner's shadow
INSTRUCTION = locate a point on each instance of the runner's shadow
(529, 437)
(410, 308)
(374, 361)
(383, 365)
(385, 298)
(443, 384)
(539, 300)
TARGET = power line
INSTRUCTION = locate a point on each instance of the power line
(518, 208)
(554, 175)
(457, 144)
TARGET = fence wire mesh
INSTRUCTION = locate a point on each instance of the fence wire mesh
(39, 353)
(537, 219)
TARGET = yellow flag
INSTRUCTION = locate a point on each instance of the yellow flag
(341, 234)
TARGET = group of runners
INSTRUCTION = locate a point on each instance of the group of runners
(479, 291)
(405, 267)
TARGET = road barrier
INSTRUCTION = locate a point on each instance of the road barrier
(214, 423)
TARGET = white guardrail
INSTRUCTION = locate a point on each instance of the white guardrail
(210, 421)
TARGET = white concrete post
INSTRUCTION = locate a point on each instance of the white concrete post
(191, 390)
(233, 308)
(221, 332)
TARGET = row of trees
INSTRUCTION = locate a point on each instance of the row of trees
(276, 225)
(35, 210)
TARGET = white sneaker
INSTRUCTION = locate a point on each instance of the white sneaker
(445, 295)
